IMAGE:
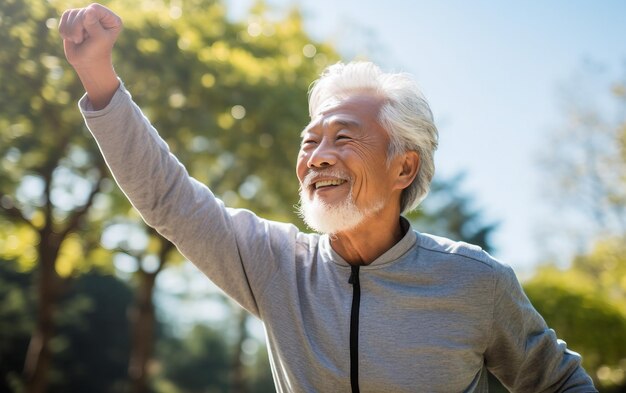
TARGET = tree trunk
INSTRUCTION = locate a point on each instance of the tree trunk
(237, 382)
(143, 321)
(142, 333)
(38, 356)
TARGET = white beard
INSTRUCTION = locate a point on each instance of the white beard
(332, 219)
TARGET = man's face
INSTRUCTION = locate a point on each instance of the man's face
(342, 165)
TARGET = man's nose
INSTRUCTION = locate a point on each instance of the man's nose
(323, 155)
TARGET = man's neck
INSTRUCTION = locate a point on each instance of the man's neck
(369, 240)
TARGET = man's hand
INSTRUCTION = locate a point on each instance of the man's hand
(89, 34)
(88, 37)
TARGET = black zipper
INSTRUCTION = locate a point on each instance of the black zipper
(354, 329)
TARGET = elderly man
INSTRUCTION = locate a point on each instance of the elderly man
(367, 305)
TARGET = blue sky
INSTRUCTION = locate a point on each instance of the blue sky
(491, 72)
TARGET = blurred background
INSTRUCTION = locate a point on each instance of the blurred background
(530, 101)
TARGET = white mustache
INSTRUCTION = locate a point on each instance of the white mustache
(314, 174)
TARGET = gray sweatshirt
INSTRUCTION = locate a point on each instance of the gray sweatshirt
(433, 314)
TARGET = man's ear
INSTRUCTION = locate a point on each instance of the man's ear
(409, 165)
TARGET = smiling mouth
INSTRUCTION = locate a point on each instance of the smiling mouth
(328, 183)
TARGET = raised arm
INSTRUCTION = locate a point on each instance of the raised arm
(234, 248)
(89, 35)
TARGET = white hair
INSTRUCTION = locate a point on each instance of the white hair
(405, 115)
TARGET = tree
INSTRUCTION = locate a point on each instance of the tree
(585, 300)
(16, 303)
(586, 305)
(197, 363)
(584, 160)
(92, 308)
(93, 327)
(50, 178)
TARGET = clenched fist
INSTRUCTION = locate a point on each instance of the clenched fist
(88, 37)
(89, 34)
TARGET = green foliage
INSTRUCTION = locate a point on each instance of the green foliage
(586, 305)
(607, 264)
(16, 305)
(92, 332)
(575, 314)
(200, 362)
(49, 166)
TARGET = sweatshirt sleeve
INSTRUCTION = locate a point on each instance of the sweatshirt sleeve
(236, 249)
(524, 354)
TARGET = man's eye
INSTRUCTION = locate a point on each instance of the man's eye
(309, 141)
(343, 134)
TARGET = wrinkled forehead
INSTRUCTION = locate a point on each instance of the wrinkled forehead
(352, 111)
(323, 121)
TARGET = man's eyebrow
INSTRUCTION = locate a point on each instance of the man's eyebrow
(344, 123)
(332, 122)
